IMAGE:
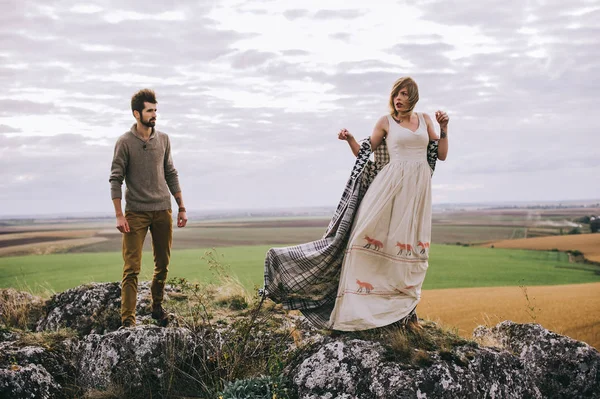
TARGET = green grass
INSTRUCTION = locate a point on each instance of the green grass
(449, 267)
(462, 267)
(450, 233)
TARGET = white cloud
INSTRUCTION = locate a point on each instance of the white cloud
(254, 92)
(115, 17)
(86, 9)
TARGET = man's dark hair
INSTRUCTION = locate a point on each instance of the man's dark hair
(142, 96)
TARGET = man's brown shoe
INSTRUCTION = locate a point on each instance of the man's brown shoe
(127, 324)
(159, 314)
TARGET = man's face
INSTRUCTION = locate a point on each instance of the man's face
(148, 116)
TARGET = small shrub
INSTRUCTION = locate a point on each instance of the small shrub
(242, 336)
(236, 302)
(399, 345)
(113, 392)
(263, 387)
(422, 358)
(411, 345)
(530, 307)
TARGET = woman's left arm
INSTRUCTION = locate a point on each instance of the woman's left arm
(443, 119)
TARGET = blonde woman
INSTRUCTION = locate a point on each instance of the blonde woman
(387, 253)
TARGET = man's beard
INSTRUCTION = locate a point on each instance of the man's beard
(150, 123)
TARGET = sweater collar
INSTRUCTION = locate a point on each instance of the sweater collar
(135, 133)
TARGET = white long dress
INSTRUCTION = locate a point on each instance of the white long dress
(387, 254)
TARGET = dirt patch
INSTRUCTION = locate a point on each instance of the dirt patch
(571, 310)
(24, 241)
(267, 224)
(50, 247)
(51, 233)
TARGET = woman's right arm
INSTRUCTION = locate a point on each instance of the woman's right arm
(379, 132)
(347, 136)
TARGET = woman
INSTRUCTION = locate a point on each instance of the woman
(358, 261)
(387, 253)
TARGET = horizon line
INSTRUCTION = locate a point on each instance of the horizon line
(299, 209)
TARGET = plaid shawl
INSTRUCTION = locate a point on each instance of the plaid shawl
(306, 276)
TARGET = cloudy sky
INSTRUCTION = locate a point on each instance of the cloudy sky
(253, 93)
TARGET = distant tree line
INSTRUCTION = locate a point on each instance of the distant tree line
(593, 221)
(595, 224)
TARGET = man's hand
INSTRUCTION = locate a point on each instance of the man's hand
(122, 224)
(181, 219)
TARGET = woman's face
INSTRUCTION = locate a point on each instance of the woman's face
(401, 100)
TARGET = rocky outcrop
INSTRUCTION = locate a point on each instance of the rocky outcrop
(146, 358)
(525, 361)
(26, 382)
(507, 361)
(34, 371)
(559, 366)
(359, 369)
(93, 308)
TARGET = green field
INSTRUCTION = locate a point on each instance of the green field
(450, 266)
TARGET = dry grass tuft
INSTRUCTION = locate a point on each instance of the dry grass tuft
(49, 340)
(412, 344)
(113, 392)
(19, 309)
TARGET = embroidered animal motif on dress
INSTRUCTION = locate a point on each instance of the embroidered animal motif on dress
(375, 243)
(424, 246)
(404, 247)
(362, 284)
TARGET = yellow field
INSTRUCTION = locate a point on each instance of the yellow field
(572, 310)
(589, 244)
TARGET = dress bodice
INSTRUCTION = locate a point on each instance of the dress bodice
(404, 144)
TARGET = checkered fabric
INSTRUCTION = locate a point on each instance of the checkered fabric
(306, 276)
(432, 154)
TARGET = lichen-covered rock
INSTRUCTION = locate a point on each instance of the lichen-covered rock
(93, 308)
(8, 335)
(28, 382)
(144, 360)
(359, 369)
(20, 363)
(560, 367)
(86, 309)
(11, 355)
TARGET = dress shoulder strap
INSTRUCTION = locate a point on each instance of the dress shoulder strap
(391, 120)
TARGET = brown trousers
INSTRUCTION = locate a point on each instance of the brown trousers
(160, 224)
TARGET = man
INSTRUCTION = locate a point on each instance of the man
(143, 159)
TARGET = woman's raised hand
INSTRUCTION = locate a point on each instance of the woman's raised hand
(344, 135)
(442, 118)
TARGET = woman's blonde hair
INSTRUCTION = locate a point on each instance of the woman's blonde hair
(413, 95)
